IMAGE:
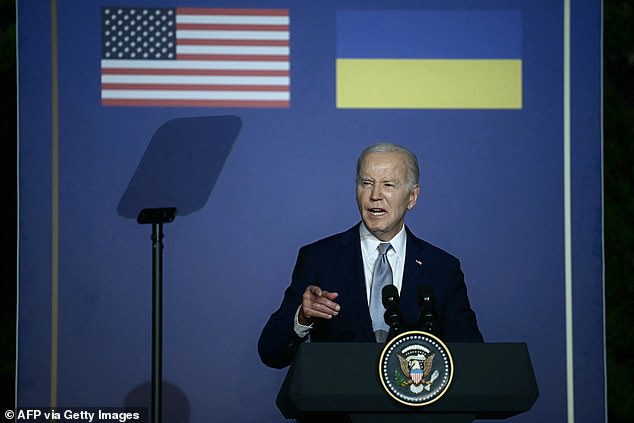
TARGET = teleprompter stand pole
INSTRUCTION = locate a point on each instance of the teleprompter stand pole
(157, 217)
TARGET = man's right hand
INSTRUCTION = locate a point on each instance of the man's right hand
(317, 304)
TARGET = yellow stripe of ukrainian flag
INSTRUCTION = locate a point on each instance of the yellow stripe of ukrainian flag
(422, 84)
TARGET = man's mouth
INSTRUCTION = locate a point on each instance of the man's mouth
(377, 212)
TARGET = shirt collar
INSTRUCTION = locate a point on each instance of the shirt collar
(370, 243)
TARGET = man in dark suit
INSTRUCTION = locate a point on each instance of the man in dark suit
(330, 295)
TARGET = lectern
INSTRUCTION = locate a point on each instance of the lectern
(490, 381)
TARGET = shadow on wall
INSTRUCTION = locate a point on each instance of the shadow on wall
(175, 403)
(181, 165)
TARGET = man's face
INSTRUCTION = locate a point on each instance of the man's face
(383, 195)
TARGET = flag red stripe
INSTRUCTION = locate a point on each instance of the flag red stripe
(237, 12)
(230, 27)
(192, 87)
(198, 103)
(197, 42)
(196, 72)
(234, 57)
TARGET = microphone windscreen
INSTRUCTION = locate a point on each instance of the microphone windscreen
(390, 296)
(426, 294)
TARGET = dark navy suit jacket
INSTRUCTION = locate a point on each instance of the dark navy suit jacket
(335, 264)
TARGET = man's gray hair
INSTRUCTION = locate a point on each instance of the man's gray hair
(413, 172)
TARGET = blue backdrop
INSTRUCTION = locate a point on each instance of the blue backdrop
(514, 193)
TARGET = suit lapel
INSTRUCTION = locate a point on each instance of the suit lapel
(412, 278)
(351, 264)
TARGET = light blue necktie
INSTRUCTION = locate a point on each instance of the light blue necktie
(381, 277)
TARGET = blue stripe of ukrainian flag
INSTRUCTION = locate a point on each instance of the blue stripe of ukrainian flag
(429, 59)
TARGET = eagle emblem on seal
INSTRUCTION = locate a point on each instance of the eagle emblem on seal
(416, 370)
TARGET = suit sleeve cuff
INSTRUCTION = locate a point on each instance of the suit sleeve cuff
(301, 330)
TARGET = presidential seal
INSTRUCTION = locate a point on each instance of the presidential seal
(416, 368)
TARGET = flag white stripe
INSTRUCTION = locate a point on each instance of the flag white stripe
(230, 19)
(194, 64)
(241, 50)
(195, 79)
(185, 34)
(193, 95)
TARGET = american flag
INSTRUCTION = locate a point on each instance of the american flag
(200, 57)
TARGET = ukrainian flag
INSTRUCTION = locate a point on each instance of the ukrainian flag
(429, 59)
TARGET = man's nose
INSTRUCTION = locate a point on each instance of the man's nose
(375, 194)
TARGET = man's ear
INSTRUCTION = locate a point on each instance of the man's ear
(413, 197)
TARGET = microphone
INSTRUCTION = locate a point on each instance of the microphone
(393, 315)
(427, 303)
